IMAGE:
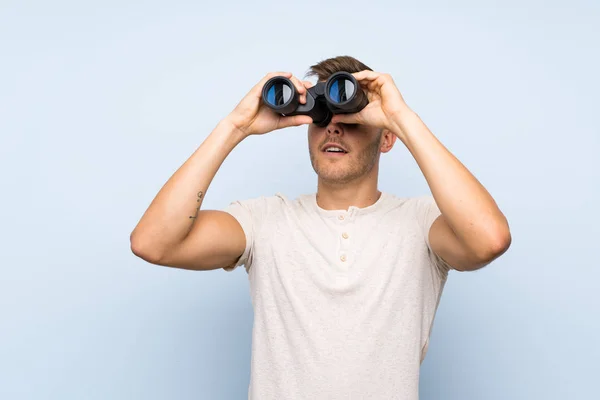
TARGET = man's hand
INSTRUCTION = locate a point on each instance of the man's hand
(252, 117)
(472, 231)
(385, 102)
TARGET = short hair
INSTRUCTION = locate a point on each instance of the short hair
(324, 69)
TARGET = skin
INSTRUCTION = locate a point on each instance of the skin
(350, 179)
(470, 232)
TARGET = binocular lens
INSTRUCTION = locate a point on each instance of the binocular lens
(341, 90)
(279, 93)
(344, 94)
(340, 93)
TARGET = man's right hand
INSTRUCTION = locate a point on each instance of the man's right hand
(174, 231)
(252, 117)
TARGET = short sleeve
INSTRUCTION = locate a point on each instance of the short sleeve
(428, 211)
(249, 214)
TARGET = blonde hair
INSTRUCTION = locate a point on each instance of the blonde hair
(324, 69)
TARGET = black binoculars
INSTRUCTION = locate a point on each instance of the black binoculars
(340, 94)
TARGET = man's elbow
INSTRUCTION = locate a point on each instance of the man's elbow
(144, 251)
(500, 241)
(491, 249)
(496, 245)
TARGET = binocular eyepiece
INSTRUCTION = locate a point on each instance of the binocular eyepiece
(340, 94)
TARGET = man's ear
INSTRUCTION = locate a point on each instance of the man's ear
(388, 138)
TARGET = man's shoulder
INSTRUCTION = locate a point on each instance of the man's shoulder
(407, 202)
(306, 203)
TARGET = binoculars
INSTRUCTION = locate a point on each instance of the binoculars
(339, 94)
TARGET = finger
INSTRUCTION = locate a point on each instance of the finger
(299, 88)
(295, 120)
(273, 74)
(299, 85)
(259, 86)
(308, 84)
(346, 119)
(366, 75)
(372, 81)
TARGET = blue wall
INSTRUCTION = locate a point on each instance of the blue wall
(101, 103)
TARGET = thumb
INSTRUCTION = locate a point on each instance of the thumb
(294, 120)
(345, 119)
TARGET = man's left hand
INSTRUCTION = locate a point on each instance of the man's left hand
(385, 102)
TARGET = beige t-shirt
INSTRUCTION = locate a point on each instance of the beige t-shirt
(344, 300)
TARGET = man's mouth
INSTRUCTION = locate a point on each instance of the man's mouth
(333, 149)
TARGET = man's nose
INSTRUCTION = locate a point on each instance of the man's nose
(334, 129)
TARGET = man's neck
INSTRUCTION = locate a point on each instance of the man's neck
(341, 197)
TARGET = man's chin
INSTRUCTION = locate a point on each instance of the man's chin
(333, 178)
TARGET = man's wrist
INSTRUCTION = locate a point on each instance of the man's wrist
(403, 122)
(228, 128)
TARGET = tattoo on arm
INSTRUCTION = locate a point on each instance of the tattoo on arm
(198, 200)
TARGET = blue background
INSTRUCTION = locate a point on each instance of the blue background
(100, 102)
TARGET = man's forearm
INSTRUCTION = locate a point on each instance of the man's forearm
(466, 205)
(170, 216)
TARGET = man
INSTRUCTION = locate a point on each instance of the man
(345, 283)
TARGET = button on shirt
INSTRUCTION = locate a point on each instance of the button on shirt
(344, 300)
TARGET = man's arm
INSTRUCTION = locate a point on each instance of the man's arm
(471, 230)
(173, 231)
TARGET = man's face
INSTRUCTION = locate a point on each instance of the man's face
(361, 145)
